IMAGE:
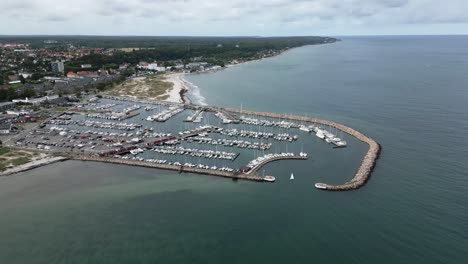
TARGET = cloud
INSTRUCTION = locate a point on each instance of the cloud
(154, 17)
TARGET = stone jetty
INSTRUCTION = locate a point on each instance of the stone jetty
(232, 175)
(367, 165)
(265, 162)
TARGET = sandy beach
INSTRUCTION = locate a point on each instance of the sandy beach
(179, 85)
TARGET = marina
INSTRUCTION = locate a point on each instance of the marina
(190, 138)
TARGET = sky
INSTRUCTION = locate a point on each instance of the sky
(233, 17)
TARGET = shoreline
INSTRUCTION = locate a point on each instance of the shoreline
(179, 88)
(32, 165)
(179, 91)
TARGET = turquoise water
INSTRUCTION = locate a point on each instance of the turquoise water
(409, 93)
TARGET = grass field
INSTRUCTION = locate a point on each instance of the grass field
(12, 157)
(151, 87)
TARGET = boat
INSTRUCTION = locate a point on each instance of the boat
(292, 177)
(269, 178)
(320, 134)
(305, 129)
(321, 186)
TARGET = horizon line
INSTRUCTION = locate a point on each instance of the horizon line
(227, 36)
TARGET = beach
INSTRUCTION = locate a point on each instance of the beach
(178, 86)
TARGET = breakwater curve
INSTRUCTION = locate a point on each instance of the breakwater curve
(364, 172)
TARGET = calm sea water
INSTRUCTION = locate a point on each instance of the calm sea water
(409, 93)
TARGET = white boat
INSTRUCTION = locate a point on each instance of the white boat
(320, 134)
(269, 178)
(321, 186)
(305, 129)
(292, 177)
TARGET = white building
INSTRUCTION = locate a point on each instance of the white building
(35, 100)
(148, 66)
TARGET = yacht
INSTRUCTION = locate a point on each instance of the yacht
(269, 178)
(292, 177)
(321, 186)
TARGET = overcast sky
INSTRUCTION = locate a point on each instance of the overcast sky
(234, 17)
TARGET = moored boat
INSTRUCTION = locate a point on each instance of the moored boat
(269, 178)
(321, 186)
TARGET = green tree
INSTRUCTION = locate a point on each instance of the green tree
(101, 86)
(36, 76)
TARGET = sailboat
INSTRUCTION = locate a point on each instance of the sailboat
(292, 177)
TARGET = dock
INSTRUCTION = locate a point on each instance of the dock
(232, 175)
(265, 162)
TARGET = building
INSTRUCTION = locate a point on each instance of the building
(5, 128)
(58, 66)
(148, 66)
(87, 74)
(86, 66)
(39, 100)
(7, 105)
(71, 75)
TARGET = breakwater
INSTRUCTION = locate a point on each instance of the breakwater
(265, 162)
(368, 163)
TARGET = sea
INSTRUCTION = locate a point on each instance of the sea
(410, 93)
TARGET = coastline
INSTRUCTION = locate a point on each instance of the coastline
(179, 92)
(178, 87)
(32, 165)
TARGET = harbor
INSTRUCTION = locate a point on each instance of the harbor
(226, 142)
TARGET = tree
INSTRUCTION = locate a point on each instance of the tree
(36, 76)
(3, 94)
(29, 93)
(11, 94)
(23, 81)
(101, 86)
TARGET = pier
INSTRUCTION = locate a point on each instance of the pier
(181, 168)
(265, 162)
(368, 163)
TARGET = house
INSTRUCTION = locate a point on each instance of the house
(86, 66)
(87, 74)
(71, 75)
(147, 66)
(26, 75)
(123, 66)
